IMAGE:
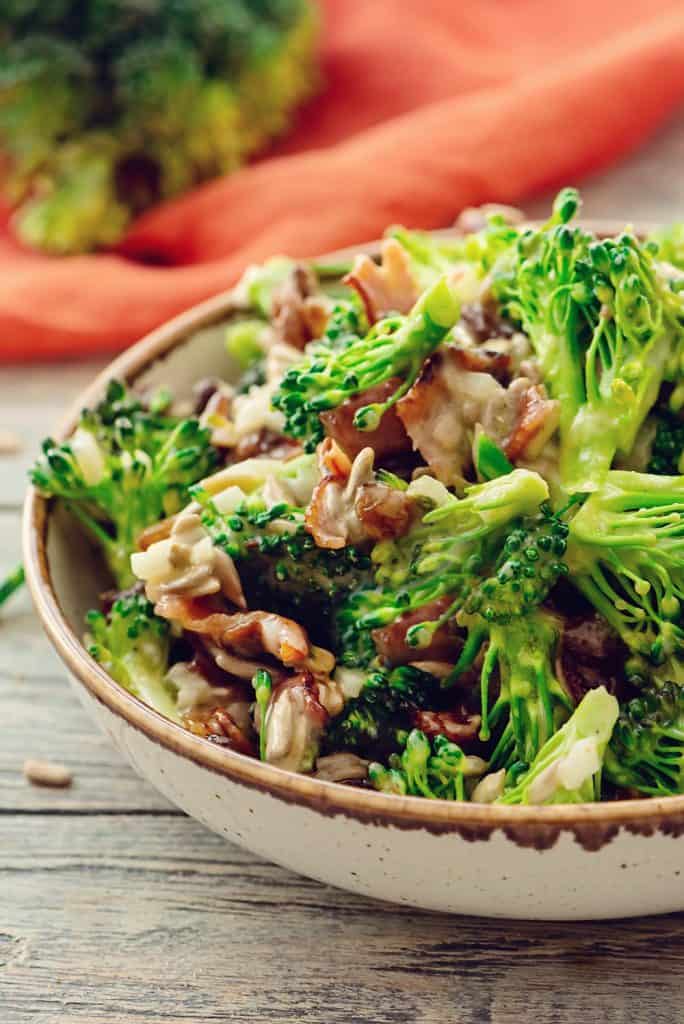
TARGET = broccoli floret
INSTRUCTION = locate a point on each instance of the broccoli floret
(284, 570)
(667, 447)
(669, 243)
(372, 723)
(604, 323)
(646, 751)
(567, 769)
(452, 550)
(174, 92)
(132, 645)
(531, 702)
(497, 554)
(626, 555)
(123, 469)
(437, 769)
(336, 368)
(431, 256)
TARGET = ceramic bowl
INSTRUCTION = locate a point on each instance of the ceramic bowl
(586, 861)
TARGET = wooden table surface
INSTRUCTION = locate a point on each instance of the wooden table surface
(116, 907)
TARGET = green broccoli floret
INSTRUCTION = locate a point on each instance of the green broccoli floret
(626, 555)
(667, 447)
(284, 570)
(452, 550)
(108, 106)
(132, 645)
(374, 721)
(669, 243)
(646, 751)
(437, 769)
(531, 702)
(567, 769)
(497, 553)
(431, 256)
(336, 368)
(604, 323)
(123, 469)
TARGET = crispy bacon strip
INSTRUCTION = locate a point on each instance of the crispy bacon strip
(390, 641)
(389, 438)
(388, 287)
(440, 410)
(298, 314)
(246, 633)
(330, 518)
(348, 506)
(458, 726)
(384, 512)
(537, 419)
(218, 725)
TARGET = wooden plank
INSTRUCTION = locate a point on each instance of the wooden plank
(41, 717)
(153, 919)
(31, 404)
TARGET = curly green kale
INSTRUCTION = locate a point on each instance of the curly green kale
(567, 769)
(374, 721)
(626, 555)
(109, 106)
(343, 364)
(436, 769)
(132, 645)
(604, 322)
(123, 469)
(646, 751)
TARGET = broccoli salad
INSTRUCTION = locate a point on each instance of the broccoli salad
(430, 538)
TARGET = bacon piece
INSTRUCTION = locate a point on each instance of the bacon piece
(331, 517)
(298, 712)
(246, 633)
(385, 288)
(298, 314)
(480, 360)
(218, 726)
(484, 322)
(446, 644)
(457, 725)
(441, 409)
(537, 420)
(157, 531)
(348, 507)
(265, 442)
(383, 511)
(389, 437)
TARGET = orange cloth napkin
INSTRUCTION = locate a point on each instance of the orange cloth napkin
(429, 106)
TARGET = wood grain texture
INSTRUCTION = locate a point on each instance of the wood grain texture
(152, 919)
(116, 908)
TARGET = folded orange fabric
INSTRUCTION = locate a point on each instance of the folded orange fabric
(429, 105)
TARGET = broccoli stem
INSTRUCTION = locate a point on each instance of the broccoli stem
(148, 685)
(12, 582)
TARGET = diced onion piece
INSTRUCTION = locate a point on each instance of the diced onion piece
(154, 563)
(427, 487)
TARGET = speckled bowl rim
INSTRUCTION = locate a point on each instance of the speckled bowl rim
(592, 824)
